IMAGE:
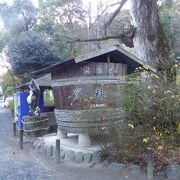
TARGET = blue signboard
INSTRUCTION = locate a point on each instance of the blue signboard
(23, 106)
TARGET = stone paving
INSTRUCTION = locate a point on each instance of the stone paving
(25, 164)
(16, 164)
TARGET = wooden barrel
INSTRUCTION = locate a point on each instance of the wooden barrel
(88, 96)
(35, 126)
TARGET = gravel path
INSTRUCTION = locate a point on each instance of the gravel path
(16, 164)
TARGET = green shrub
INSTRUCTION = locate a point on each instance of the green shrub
(48, 99)
(152, 119)
(11, 106)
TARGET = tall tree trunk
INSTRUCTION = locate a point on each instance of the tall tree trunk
(150, 41)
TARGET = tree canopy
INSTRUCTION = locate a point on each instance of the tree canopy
(8, 83)
(169, 13)
(19, 17)
(30, 51)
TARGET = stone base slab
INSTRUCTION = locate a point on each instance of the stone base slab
(66, 155)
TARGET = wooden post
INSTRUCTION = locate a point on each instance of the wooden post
(21, 139)
(108, 62)
(150, 163)
(14, 128)
(58, 151)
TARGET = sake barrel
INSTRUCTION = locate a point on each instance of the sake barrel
(88, 96)
(35, 126)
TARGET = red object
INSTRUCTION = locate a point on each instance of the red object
(109, 104)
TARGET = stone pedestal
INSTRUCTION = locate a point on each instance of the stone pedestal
(35, 126)
(84, 140)
(61, 134)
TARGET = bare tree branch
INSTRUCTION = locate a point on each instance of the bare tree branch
(96, 39)
(125, 37)
(25, 20)
(115, 13)
(125, 34)
(99, 16)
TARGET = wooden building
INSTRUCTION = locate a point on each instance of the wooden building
(84, 91)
